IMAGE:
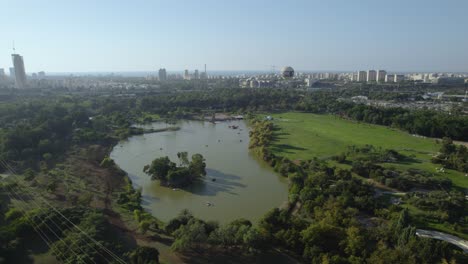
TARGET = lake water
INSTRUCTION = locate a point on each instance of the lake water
(244, 188)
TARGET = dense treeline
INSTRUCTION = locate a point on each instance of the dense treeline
(334, 217)
(423, 122)
(70, 245)
(452, 156)
(169, 174)
(368, 161)
(331, 217)
(35, 130)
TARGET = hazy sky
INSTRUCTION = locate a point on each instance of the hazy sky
(101, 35)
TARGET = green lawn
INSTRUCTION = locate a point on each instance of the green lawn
(304, 136)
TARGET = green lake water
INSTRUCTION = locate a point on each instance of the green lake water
(244, 188)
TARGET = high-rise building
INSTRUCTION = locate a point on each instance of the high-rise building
(186, 75)
(20, 72)
(12, 72)
(41, 75)
(371, 76)
(203, 75)
(381, 75)
(162, 74)
(2, 74)
(390, 78)
(362, 76)
(399, 77)
(196, 75)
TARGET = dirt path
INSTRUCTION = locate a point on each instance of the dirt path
(461, 243)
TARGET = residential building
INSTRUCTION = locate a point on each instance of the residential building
(162, 74)
(12, 72)
(371, 76)
(20, 72)
(389, 78)
(381, 76)
(362, 76)
(399, 77)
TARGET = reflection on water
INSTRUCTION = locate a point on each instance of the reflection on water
(236, 184)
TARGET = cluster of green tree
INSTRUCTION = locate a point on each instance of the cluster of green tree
(34, 130)
(261, 133)
(130, 199)
(69, 245)
(143, 255)
(401, 180)
(41, 130)
(373, 154)
(145, 221)
(236, 99)
(442, 207)
(337, 220)
(452, 156)
(337, 224)
(334, 234)
(169, 174)
(422, 122)
(191, 233)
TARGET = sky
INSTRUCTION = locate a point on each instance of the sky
(312, 35)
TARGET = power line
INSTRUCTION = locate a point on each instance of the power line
(43, 221)
(36, 228)
(110, 253)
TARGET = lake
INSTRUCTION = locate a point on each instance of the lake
(244, 188)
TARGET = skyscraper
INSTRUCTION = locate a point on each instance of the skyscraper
(196, 75)
(186, 75)
(399, 77)
(390, 78)
(203, 75)
(20, 73)
(2, 74)
(362, 76)
(381, 75)
(162, 74)
(12, 72)
(371, 76)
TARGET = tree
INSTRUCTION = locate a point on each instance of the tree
(29, 174)
(183, 158)
(355, 242)
(197, 166)
(144, 255)
(403, 220)
(178, 176)
(189, 235)
(107, 162)
(169, 174)
(159, 168)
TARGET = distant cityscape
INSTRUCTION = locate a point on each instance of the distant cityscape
(287, 77)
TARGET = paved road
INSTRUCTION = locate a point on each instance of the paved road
(461, 243)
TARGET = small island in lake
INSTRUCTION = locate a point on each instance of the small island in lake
(171, 175)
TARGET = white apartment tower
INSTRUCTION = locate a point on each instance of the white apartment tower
(381, 75)
(362, 76)
(20, 73)
(162, 74)
(371, 76)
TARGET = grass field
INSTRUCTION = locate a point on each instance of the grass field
(304, 136)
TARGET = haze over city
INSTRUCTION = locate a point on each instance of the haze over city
(242, 131)
(104, 36)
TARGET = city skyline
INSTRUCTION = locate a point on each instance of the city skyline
(177, 35)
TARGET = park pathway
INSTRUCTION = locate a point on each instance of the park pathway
(461, 243)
